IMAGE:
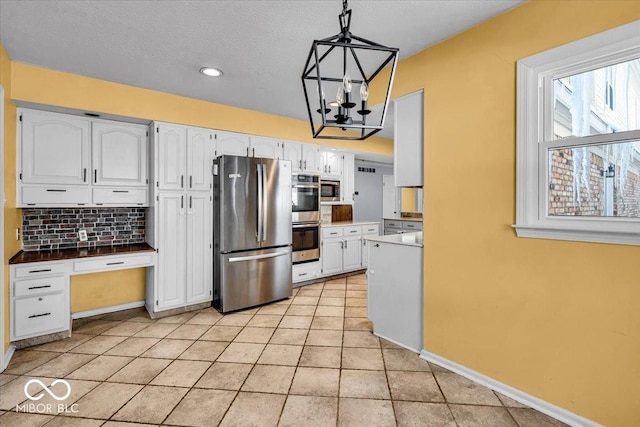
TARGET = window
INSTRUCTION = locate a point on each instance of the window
(578, 130)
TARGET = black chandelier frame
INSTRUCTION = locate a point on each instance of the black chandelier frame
(349, 44)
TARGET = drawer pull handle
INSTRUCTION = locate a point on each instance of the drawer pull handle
(39, 315)
(115, 263)
(376, 246)
(40, 271)
(40, 287)
(56, 191)
(120, 191)
(353, 231)
(333, 233)
(302, 274)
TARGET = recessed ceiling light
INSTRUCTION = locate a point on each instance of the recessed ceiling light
(211, 72)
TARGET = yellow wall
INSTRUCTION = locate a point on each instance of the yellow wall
(408, 199)
(558, 320)
(48, 87)
(91, 291)
(12, 216)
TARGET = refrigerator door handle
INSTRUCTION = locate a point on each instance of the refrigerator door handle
(254, 257)
(260, 199)
(264, 203)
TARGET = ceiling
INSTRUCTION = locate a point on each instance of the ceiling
(260, 45)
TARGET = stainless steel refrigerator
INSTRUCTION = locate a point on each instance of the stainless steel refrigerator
(252, 231)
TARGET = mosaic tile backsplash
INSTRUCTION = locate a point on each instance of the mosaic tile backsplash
(50, 229)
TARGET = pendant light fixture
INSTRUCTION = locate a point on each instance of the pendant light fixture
(345, 64)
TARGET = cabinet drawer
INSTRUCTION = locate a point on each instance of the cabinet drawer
(55, 195)
(412, 225)
(330, 232)
(113, 263)
(352, 230)
(38, 270)
(40, 314)
(120, 196)
(37, 286)
(306, 271)
(389, 223)
(370, 229)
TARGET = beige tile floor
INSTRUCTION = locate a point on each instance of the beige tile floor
(307, 361)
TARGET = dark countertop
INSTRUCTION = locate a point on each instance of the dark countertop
(64, 254)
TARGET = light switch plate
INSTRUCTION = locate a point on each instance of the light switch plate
(82, 235)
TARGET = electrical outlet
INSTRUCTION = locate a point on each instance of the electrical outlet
(82, 235)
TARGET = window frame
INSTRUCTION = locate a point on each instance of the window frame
(535, 76)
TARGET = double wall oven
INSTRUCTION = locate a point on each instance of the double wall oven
(305, 217)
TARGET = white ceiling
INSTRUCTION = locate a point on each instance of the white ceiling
(260, 45)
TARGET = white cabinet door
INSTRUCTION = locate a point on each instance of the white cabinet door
(119, 154)
(293, 151)
(365, 252)
(55, 148)
(408, 140)
(311, 161)
(199, 248)
(199, 158)
(332, 256)
(266, 148)
(171, 156)
(352, 253)
(171, 251)
(348, 178)
(236, 144)
(331, 162)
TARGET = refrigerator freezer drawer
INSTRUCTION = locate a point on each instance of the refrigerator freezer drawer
(256, 277)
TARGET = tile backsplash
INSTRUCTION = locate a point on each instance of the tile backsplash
(46, 229)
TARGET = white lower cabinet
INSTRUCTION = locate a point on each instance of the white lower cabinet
(171, 269)
(342, 247)
(368, 230)
(306, 271)
(184, 242)
(39, 299)
(199, 284)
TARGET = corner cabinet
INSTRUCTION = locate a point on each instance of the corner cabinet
(408, 140)
(69, 161)
(179, 220)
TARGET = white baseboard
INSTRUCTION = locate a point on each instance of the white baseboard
(515, 394)
(7, 357)
(105, 310)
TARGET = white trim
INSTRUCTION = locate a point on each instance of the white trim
(397, 343)
(7, 356)
(4, 360)
(511, 392)
(105, 310)
(533, 76)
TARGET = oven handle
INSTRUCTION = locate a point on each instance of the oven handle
(306, 186)
(309, 225)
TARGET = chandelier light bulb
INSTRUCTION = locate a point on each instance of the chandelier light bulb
(364, 91)
(346, 82)
(340, 96)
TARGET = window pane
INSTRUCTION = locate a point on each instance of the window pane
(600, 101)
(598, 180)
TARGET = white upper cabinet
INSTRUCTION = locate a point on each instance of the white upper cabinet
(55, 148)
(119, 153)
(331, 162)
(235, 144)
(293, 151)
(311, 161)
(348, 177)
(199, 155)
(266, 147)
(408, 140)
(171, 156)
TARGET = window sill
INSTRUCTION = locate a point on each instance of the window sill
(592, 236)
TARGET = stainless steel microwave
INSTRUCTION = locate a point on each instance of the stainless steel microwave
(329, 190)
